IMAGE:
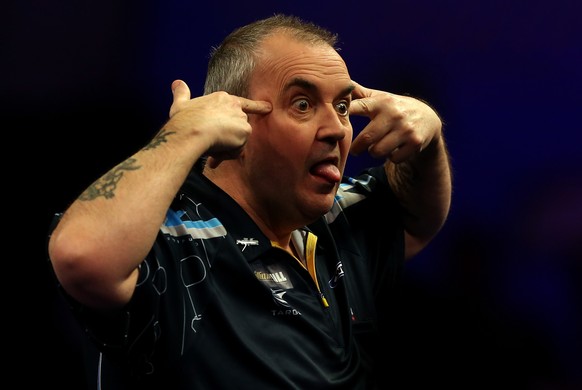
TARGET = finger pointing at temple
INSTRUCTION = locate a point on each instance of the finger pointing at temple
(255, 106)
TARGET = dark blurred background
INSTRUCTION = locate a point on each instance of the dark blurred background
(496, 299)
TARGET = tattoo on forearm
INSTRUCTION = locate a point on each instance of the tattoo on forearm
(106, 185)
(158, 139)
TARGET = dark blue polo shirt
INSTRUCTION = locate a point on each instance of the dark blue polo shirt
(217, 306)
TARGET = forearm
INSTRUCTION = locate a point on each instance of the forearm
(108, 230)
(423, 184)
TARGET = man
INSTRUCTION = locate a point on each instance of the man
(225, 253)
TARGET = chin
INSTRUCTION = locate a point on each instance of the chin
(318, 209)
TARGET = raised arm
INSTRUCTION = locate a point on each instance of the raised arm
(108, 230)
(408, 134)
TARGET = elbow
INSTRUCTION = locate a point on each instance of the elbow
(82, 274)
(419, 234)
(414, 244)
(66, 260)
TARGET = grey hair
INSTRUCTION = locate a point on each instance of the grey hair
(232, 62)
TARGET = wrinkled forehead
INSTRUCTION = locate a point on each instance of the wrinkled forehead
(284, 58)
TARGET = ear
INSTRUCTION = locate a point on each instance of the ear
(216, 159)
(212, 162)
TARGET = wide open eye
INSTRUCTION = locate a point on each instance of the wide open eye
(302, 105)
(342, 108)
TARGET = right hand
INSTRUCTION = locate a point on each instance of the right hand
(219, 117)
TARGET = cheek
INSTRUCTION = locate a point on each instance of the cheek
(281, 133)
(344, 146)
(272, 142)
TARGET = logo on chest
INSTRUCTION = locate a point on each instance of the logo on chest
(275, 277)
(247, 242)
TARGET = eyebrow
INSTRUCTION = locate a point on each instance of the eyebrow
(311, 87)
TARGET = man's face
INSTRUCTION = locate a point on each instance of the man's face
(296, 155)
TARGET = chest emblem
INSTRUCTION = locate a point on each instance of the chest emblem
(246, 242)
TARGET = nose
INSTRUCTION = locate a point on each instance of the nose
(332, 126)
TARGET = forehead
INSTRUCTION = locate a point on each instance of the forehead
(284, 58)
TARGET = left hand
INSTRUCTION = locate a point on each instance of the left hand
(399, 127)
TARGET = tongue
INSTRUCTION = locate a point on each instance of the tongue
(327, 171)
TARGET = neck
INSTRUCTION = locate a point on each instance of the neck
(271, 222)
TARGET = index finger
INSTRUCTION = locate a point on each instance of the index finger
(255, 106)
(363, 106)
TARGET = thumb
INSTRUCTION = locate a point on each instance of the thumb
(180, 90)
(181, 94)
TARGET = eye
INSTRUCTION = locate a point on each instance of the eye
(302, 105)
(342, 108)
